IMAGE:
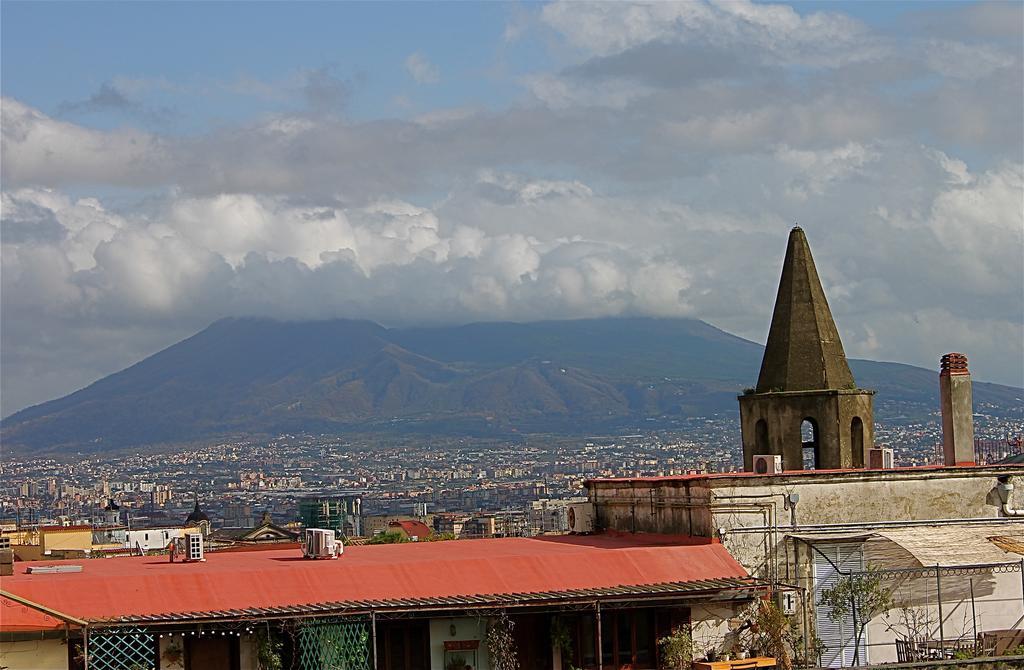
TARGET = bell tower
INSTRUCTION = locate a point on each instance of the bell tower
(806, 406)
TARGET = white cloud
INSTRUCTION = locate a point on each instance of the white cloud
(657, 173)
(565, 93)
(507, 246)
(422, 70)
(817, 170)
(965, 61)
(38, 149)
(609, 27)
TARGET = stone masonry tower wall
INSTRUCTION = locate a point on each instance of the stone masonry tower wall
(805, 380)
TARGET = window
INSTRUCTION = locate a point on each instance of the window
(628, 638)
(810, 443)
(211, 653)
(404, 645)
(838, 637)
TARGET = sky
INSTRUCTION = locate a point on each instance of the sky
(167, 165)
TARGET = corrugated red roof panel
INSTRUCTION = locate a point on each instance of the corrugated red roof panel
(18, 618)
(151, 585)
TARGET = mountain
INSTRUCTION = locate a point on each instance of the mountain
(253, 376)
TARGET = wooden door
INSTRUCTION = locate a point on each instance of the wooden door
(211, 653)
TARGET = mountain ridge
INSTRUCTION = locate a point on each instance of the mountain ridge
(256, 376)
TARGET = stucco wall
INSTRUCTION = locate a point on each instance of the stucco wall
(172, 652)
(671, 505)
(702, 506)
(710, 628)
(54, 540)
(34, 655)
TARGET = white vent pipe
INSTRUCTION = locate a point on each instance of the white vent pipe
(1005, 489)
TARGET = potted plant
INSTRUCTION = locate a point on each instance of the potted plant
(455, 662)
(677, 649)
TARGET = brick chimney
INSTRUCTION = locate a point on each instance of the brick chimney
(957, 410)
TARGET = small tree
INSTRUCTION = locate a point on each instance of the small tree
(860, 595)
(775, 632)
(677, 649)
(439, 537)
(501, 645)
(561, 639)
(268, 651)
(910, 622)
(389, 537)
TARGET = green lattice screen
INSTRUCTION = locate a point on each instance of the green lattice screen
(122, 649)
(334, 645)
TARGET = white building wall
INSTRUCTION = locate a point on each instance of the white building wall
(1001, 608)
(172, 652)
(152, 539)
(710, 628)
(729, 508)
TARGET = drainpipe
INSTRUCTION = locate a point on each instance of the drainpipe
(1005, 490)
(373, 636)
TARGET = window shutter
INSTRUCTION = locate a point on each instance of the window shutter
(838, 637)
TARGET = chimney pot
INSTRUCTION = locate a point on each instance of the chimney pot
(954, 364)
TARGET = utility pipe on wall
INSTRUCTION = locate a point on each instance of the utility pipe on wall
(1005, 490)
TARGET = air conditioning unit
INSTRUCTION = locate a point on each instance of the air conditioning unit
(191, 547)
(580, 517)
(767, 465)
(881, 459)
(321, 543)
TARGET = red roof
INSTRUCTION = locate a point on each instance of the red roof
(18, 618)
(413, 528)
(148, 585)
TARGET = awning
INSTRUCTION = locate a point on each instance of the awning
(914, 549)
(926, 546)
(954, 545)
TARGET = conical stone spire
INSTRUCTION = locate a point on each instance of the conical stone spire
(805, 381)
(804, 352)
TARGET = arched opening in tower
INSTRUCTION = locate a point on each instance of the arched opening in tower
(761, 438)
(810, 443)
(857, 441)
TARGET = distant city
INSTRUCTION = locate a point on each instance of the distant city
(465, 487)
